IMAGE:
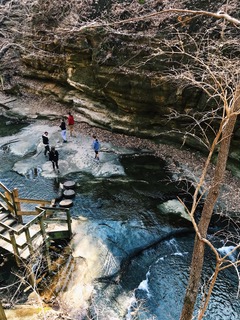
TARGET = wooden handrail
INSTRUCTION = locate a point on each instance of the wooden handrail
(3, 196)
(34, 220)
(43, 212)
(37, 201)
(13, 202)
(4, 187)
(4, 238)
(3, 205)
(26, 213)
(9, 204)
(43, 215)
(15, 247)
(27, 225)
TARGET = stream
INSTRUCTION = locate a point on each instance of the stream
(123, 216)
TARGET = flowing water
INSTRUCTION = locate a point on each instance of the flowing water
(122, 211)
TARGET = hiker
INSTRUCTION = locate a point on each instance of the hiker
(53, 156)
(63, 130)
(70, 123)
(96, 147)
(45, 141)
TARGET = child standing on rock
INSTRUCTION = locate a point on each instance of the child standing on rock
(96, 147)
(53, 156)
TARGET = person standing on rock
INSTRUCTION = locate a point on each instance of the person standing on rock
(96, 147)
(70, 123)
(53, 156)
(45, 141)
(63, 130)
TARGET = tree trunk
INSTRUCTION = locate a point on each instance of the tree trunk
(2, 313)
(210, 201)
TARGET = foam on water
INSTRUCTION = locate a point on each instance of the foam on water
(227, 251)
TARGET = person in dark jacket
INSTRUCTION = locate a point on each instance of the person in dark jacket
(53, 156)
(64, 130)
(45, 141)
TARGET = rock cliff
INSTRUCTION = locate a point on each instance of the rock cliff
(117, 75)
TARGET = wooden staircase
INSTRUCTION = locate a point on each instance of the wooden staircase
(10, 228)
(26, 240)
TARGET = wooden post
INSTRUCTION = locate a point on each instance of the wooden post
(17, 204)
(44, 235)
(15, 248)
(8, 196)
(69, 222)
(29, 241)
(2, 313)
(31, 276)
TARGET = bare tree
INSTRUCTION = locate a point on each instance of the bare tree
(208, 66)
(204, 61)
(208, 61)
(211, 64)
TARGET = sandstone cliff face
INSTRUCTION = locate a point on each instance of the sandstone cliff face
(115, 76)
(106, 78)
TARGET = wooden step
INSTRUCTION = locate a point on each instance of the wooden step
(10, 222)
(3, 216)
(6, 220)
(3, 206)
(20, 239)
(2, 229)
(4, 226)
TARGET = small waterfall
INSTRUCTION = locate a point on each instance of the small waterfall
(173, 246)
(227, 251)
(144, 285)
(135, 302)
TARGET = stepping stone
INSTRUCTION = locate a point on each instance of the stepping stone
(69, 194)
(66, 203)
(69, 184)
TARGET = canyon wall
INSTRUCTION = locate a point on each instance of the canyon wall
(120, 76)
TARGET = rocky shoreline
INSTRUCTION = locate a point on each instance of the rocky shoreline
(184, 164)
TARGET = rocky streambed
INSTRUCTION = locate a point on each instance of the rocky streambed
(127, 245)
(185, 163)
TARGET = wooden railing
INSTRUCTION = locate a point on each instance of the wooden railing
(12, 202)
(8, 197)
(44, 215)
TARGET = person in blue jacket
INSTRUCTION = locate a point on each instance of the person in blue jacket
(96, 147)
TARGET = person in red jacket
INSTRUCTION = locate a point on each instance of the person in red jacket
(70, 123)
